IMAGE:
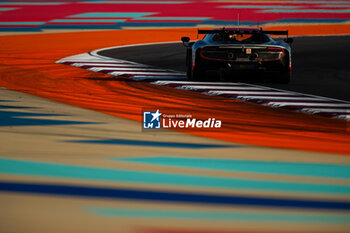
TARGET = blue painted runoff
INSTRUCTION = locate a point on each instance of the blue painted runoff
(173, 197)
(52, 170)
(9, 118)
(129, 142)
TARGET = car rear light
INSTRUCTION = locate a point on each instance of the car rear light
(274, 48)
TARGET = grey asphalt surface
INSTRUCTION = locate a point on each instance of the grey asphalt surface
(321, 65)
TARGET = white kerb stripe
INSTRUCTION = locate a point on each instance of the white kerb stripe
(145, 77)
(325, 110)
(198, 87)
(93, 60)
(107, 64)
(280, 98)
(344, 116)
(125, 69)
(116, 73)
(189, 82)
(247, 93)
(309, 104)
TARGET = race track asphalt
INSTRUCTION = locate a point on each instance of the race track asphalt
(320, 64)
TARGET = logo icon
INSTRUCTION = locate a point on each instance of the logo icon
(151, 120)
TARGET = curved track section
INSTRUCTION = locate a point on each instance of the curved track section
(172, 53)
(320, 64)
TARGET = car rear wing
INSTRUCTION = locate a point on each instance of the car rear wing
(223, 31)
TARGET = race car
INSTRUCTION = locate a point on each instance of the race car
(232, 52)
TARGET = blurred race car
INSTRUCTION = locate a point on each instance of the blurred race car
(227, 52)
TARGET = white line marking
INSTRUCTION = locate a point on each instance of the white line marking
(140, 77)
(125, 69)
(86, 57)
(77, 64)
(344, 116)
(196, 87)
(117, 73)
(190, 82)
(279, 98)
(247, 92)
(325, 110)
(282, 104)
(95, 52)
(304, 94)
